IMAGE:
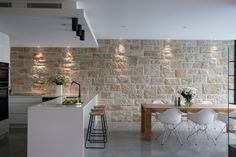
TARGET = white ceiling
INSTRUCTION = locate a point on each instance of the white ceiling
(44, 27)
(120, 19)
(162, 19)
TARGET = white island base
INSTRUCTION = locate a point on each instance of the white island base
(56, 130)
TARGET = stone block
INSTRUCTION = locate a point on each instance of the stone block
(138, 70)
(212, 88)
(149, 94)
(123, 79)
(143, 60)
(172, 81)
(128, 89)
(165, 89)
(153, 70)
(186, 81)
(113, 108)
(136, 117)
(202, 65)
(132, 61)
(115, 87)
(180, 73)
(107, 95)
(139, 79)
(157, 80)
(217, 79)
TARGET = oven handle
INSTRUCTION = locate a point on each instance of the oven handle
(4, 68)
(4, 87)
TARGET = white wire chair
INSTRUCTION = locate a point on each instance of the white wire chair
(170, 119)
(155, 115)
(223, 117)
(201, 121)
(208, 102)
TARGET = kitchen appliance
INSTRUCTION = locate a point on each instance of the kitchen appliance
(4, 90)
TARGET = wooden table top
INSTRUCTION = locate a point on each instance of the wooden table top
(162, 107)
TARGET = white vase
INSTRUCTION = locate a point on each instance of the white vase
(59, 90)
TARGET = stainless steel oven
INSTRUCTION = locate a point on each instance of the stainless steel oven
(4, 90)
(4, 72)
(3, 103)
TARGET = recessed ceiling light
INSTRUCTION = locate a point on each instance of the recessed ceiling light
(123, 26)
(184, 27)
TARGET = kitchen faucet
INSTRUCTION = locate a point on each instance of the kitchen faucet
(78, 85)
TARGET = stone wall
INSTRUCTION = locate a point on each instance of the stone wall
(127, 73)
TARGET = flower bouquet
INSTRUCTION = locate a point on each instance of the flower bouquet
(61, 79)
(188, 93)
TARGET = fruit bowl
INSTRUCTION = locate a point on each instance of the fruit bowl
(72, 101)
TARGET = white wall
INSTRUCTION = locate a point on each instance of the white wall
(4, 48)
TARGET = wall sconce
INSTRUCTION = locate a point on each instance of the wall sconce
(74, 23)
(79, 27)
(82, 34)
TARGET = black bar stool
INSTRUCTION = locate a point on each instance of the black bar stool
(102, 107)
(96, 136)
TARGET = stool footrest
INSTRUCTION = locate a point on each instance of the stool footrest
(96, 135)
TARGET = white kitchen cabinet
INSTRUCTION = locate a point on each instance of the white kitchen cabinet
(18, 107)
(4, 48)
(56, 130)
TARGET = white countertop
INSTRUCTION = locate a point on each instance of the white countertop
(57, 103)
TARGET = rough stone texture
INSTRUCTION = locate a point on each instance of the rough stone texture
(127, 73)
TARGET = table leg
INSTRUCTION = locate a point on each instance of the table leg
(148, 131)
(229, 128)
(142, 120)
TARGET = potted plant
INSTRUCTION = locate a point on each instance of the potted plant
(188, 93)
(60, 80)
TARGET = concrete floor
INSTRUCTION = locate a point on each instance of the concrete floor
(125, 140)
(15, 145)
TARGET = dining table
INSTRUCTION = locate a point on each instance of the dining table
(148, 109)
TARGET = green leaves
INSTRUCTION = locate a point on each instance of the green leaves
(72, 101)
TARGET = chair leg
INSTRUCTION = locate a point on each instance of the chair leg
(193, 131)
(178, 137)
(164, 136)
(209, 136)
(203, 129)
(221, 133)
(171, 130)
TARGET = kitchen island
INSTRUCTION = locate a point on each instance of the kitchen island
(56, 130)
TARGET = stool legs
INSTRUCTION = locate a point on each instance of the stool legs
(93, 134)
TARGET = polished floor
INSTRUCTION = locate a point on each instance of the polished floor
(125, 140)
(15, 145)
